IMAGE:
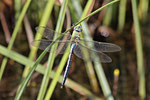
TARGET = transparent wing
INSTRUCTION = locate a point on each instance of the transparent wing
(78, 52)
(101, 46)
(49, 33)
(62, 45)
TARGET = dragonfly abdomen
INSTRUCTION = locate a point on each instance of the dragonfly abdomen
(68, 65)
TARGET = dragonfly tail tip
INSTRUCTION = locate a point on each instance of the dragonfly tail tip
(61, 86)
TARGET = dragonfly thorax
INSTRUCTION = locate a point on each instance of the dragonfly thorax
(76, 39)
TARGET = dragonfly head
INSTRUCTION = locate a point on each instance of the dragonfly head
(78, 28)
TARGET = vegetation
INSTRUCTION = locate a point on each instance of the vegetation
(29, 73)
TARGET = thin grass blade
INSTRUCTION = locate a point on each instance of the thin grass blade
(43, 22)
(14, 34)
(139, 53)
(52, 55)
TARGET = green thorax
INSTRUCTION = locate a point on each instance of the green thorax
(77, 30)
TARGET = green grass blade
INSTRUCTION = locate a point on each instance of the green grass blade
(41, 69)
(139, 48)
(25, 81)
(43, 22)
(88, 64)
(58, 72)
(74, 16)
(87, 7)
(96, 11)
(122, 14)
(98, 68)
(108, 16)
(14, 34)
(143, 9)
(19, 58)
(18, 4)
(52, 55)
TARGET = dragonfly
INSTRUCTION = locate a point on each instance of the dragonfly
(77, 45)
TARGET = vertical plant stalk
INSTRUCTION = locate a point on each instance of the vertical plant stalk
(143, 9)
(5, 27)
(108, 16)
(139, 52)
(43, 22)
(57, 75)
(98, 67)
(18, 4)
(29, 32)
(88, 64)
(14, 34)
(52, 55)
(122, 14)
